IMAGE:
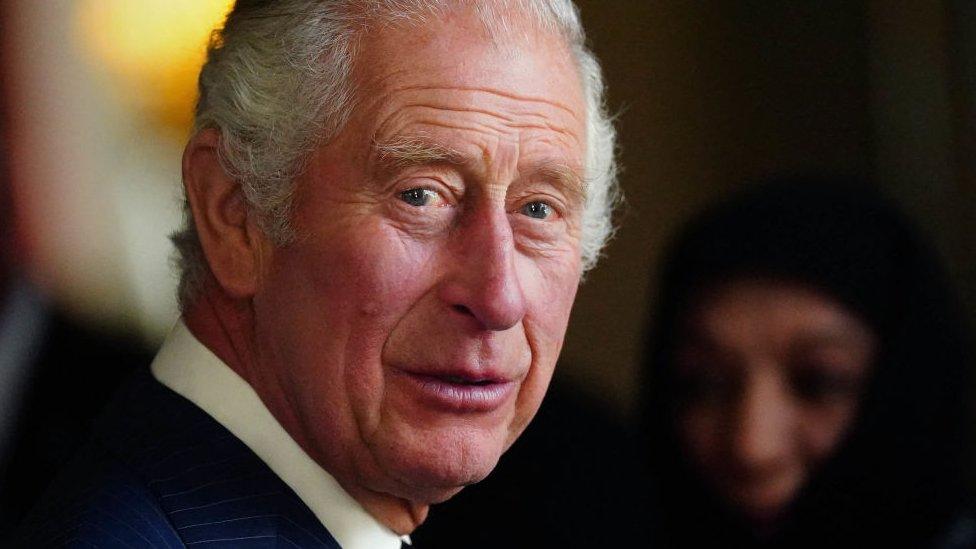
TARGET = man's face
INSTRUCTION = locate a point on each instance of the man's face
(411, 330)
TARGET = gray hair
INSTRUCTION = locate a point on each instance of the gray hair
(277, 84)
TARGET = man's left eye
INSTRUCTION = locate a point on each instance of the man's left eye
(537, 210)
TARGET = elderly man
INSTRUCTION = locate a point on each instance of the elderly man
(390, 206)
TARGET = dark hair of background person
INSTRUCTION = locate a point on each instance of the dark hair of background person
(900, 478)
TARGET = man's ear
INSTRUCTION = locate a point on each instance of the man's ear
(231, 240)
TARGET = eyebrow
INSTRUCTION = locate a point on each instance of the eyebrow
(406, 151)
(840, 337)
(563, 176)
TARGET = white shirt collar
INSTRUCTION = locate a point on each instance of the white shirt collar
(190, 369)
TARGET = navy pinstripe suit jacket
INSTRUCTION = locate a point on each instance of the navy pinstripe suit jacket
(159, 472)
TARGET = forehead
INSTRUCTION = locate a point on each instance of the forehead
(768, 313)
(454, 64)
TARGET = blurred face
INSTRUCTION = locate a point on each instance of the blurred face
(411, 330)
(771, 374)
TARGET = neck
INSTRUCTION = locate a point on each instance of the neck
(222, 325)
(400, 515)
(226, 327)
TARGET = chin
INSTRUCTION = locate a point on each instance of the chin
(764, 513)
(433, 468)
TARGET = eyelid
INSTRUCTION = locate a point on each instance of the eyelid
(564, 179)
(448, 194)
(558, 207)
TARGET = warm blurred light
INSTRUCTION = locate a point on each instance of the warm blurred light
(153, 49)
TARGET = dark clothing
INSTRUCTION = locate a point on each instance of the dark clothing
(160, 472)
(900, 477)
(68, 381)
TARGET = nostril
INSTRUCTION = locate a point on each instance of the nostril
(463, 310)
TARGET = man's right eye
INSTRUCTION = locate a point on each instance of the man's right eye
(418, 197)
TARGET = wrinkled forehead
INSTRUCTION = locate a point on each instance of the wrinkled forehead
(456, 49)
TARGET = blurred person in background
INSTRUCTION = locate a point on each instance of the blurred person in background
(56, 371)
(809, 381)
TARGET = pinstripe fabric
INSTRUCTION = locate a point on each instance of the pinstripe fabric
(161, 473)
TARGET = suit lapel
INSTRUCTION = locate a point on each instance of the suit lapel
(210, 486)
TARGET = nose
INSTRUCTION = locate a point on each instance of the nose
(762, 434)
(484, 281)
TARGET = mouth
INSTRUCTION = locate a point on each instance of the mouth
(461, 393)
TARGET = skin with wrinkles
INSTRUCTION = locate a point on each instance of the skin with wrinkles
(438, 233)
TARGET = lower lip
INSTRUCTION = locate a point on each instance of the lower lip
(461, 397)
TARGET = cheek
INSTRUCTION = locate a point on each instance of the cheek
(360, 281)
(825, 427)
(549, 301)
(383, 282)
(332, 303)
(549, 287)
(699, 427)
